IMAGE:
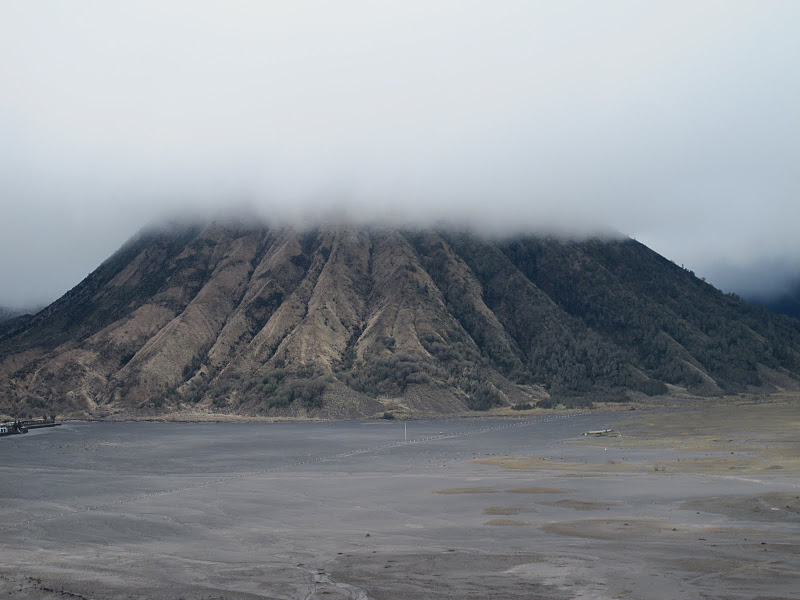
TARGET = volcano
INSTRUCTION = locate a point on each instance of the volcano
(344, 321)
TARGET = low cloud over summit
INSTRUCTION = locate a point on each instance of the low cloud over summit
(676, 123)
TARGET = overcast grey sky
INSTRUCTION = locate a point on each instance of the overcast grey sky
(674, 122)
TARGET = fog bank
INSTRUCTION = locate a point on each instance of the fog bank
(673, 122)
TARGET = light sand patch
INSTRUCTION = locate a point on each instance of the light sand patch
(781, 507)
(506, 523)
(738, 570)
(616, 529)
(466, 490)
(761, 571)
(507, 510)
(451, 575)
(702, 564)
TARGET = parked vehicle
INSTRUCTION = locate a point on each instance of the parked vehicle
(23, 425)
(12, 428)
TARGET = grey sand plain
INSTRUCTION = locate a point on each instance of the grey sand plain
(465, 509)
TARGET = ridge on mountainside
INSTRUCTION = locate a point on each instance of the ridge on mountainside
(6, 314)
(344, 322)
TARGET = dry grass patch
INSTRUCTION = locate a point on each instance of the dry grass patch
(466, 490)
(506, 522)
(756, 439)
(781, 507)
(580, 504)
(765, 433)
(538, 490)
(507, 510)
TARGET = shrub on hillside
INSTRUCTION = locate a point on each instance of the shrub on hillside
(522, 406)
(484, 397)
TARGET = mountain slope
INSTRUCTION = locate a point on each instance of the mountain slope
(339, 321)
(8, 314)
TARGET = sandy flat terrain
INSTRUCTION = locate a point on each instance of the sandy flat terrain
(478, 509)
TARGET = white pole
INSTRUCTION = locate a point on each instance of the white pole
(405, 431)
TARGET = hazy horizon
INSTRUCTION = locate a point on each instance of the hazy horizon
(675, 123)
